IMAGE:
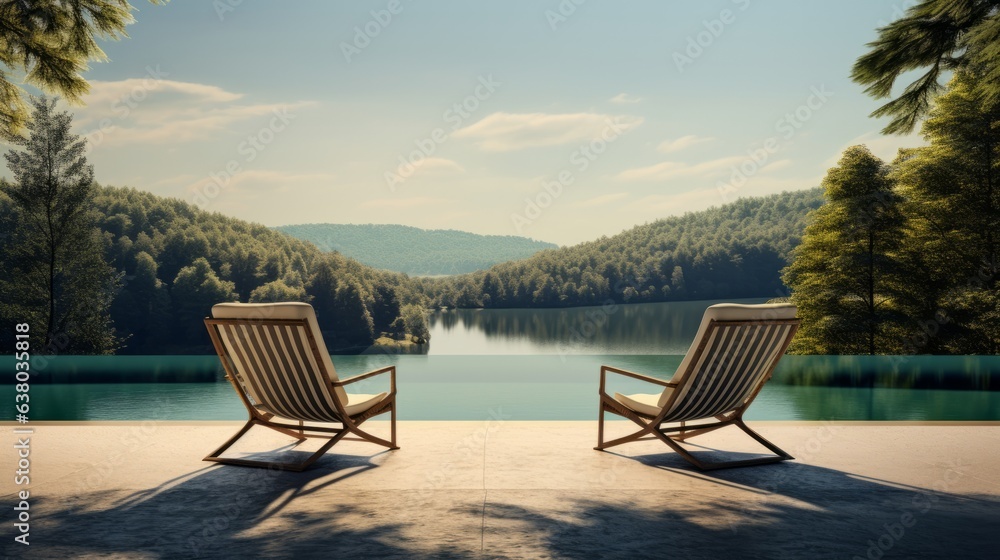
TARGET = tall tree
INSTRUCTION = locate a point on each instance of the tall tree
(58, 278)
(322, 288)
(195, 290)
(351, 326)
(50, 42)
(846, 276)
(385, 308)
(939, 36)
(952, 189)
(415, 322)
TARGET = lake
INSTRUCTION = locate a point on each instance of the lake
(536, 365)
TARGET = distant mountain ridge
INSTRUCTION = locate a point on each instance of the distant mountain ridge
(417, 251)
(736, 250)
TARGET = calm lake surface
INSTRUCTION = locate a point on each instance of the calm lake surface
(523, 364)
(641, 329)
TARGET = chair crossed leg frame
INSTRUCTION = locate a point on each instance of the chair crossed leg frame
(301, 432)
(650, 429)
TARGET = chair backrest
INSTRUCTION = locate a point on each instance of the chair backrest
(735, 350)
(279, 358)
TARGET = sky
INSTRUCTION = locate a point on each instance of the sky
(559, 120)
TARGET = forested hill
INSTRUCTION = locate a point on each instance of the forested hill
(176, 261)
(734, 251)
(417, 251)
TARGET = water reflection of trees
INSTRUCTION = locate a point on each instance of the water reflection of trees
(665, 328)
(858, 403)
(975, 373)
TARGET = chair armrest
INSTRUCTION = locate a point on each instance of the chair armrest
(359, 377)
(632, 374)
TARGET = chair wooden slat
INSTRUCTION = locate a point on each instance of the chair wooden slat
(725, 370)
(276, 368)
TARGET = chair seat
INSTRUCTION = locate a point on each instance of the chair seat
(358, 402)
(642, 402)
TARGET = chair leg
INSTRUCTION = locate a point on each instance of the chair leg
(687, 456)
(779, 456)
(297, 434)
(295, 467)
(216, 456)
(690, 433)
(760, 439)
(648, 429)
(674, 442)
(222, 448)
(371, 438)
(392, 425)
(600, 428)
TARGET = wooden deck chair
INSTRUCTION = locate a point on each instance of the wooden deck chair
(275, 358)
(732, 356)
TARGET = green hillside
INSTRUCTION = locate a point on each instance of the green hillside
(734, 251)
(417, 251)
(176, 261)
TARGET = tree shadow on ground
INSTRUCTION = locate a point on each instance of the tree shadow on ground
(224, 511)
(785, 510)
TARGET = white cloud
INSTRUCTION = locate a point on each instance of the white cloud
(668, 146)
(676, 169)
(624, 98)
(268, 177)
(775, 165)
(503, 132)
(133, 91)
(431, 165)
(145, 110)
(603, 199)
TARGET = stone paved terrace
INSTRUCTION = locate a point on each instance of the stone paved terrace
(505, 489)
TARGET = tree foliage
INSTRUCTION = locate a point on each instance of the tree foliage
(935, 266)
(733, 251)
(55, 276)
(952, 193)
(158, 242)
(847, 274)
(49, 43)
(938, 36)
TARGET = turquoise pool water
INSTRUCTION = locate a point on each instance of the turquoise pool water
(527, 387)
